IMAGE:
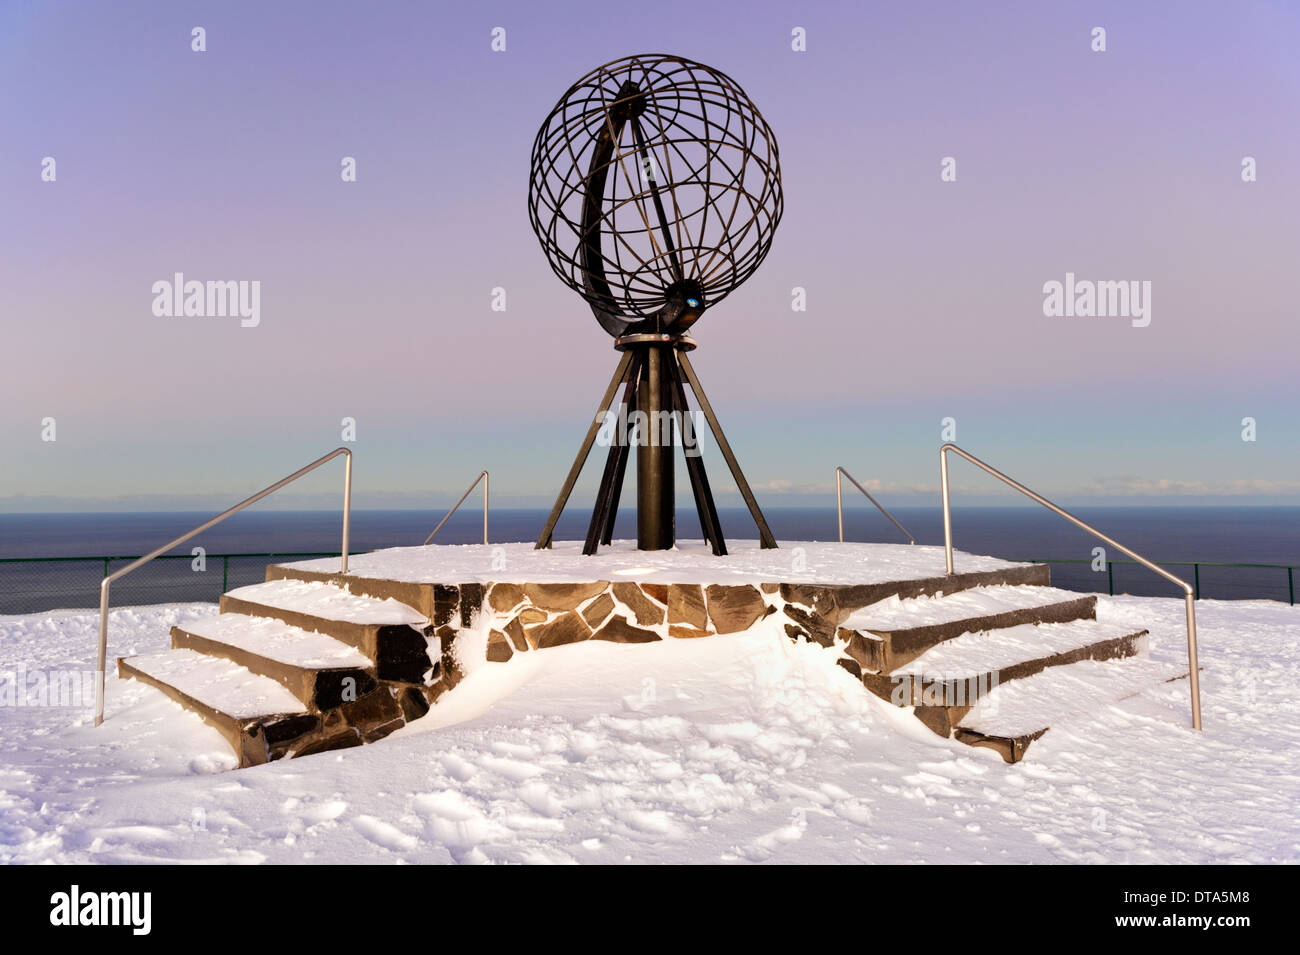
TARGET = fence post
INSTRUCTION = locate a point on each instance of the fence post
(1110, 575)
(225, 571)
(105, 566)
(1196, 575)
(1290, 583)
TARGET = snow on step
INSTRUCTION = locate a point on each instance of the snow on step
(219, 684)
(319, 599)
(895, 613)
(1023, 707)
(976, 653)
(278, 641)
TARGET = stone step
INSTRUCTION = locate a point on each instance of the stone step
(257, 715)
(430, 599)
(1014, 715)
(891, 633)
(319, 670)
(946, 682)
(386, 631)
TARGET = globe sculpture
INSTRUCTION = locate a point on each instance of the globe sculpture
(655, 192)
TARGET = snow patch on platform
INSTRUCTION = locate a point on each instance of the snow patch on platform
(690, 562)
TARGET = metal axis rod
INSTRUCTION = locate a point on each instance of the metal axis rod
(1188, 592)
(107, 582)
(839, 504)
(764, 532)
(544, 540)
(648, 171)
(482, 476)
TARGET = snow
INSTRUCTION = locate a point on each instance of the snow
(973, 654)
(690, 562)
(742, 748)
(894, 613)
(318, 599)
(1026, 706)
(278, 641)
(218, 683)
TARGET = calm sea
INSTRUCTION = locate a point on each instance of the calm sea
(1262, 535)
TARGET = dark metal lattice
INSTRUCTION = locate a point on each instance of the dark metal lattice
(655, 182)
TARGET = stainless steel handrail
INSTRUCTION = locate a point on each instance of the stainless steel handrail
(839, 504)
(482, 476)
(108, 580)
(1188, 592)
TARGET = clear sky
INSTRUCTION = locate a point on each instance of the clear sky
(924, 297)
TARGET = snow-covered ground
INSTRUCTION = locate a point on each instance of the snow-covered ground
(728, 749)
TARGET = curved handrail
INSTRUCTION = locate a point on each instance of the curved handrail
(839, 504)
(140, 562)
(482, 476)
(1188, 592)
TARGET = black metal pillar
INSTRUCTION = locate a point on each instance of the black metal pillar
(656, 525)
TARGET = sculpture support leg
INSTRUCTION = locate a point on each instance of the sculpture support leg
(765, 537)
(544, 540)
(611, 481)
(704, 505)
(608, 535)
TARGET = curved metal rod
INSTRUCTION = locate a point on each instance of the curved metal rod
(1189, 594)
(482, 476)
(140, 562)
(839, 504)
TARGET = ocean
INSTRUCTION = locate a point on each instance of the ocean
(1258, 535)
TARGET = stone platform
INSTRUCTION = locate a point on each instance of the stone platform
(547, 598)
(313, 659)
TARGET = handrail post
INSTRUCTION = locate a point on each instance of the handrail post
(347, 508)
(1194, 670)
(839, 503)
(947, 516)
(486, 481)
(158, 552)
(103, 650)
(1188, 592)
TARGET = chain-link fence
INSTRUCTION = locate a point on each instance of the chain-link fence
(31, 585)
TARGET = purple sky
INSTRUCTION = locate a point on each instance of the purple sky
(924, 297)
